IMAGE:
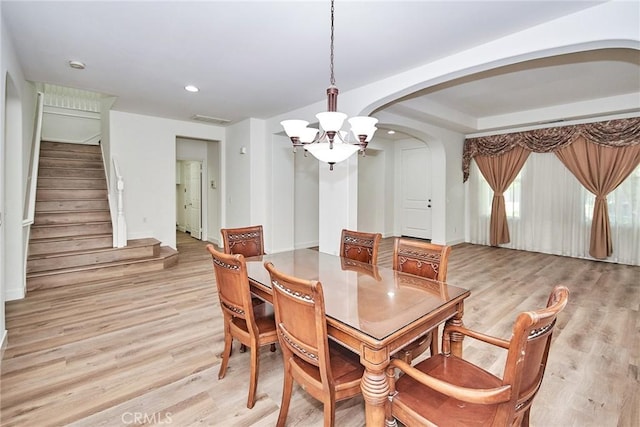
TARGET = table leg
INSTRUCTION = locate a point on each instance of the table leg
(375, 390)
(456, 338)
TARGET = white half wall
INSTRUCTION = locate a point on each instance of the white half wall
(74, 126)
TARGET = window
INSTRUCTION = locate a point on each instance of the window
(549, 211)
(623, 202)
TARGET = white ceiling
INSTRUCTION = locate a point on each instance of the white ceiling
(264, 58)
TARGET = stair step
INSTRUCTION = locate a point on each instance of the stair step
(72, 183)
(54, 162)
(70, 194)
(77, 155)
(68, 244)
(71, 240)
(69, 230)
(69, 146)
(70, 276)
(135, 250)
(44, 172)
(71, 217)
(70, 205)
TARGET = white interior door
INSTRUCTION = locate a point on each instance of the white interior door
(193, 198)
(416, 192)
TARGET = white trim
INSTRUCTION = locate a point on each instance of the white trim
(92, 140)
(71, 112)
(552, 124)
(215, 241)
(14, 294)
(455, 242)
(3, 343)
(305, 245)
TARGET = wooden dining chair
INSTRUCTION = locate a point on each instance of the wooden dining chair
(447, 390)
(427, 260)
(251, 324)
(360, 246)
(248, 241)
(326, 370)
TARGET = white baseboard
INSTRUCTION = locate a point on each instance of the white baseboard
(312, 244)
(455, 242)
(14, 294)
(3, 343)
(215, 241)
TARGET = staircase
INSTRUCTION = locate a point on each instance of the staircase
(71, 238)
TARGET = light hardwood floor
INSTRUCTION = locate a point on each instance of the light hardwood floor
(145, 350)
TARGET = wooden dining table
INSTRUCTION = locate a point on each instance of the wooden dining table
(374, 311)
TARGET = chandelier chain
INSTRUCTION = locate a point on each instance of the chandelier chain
(320, 142)
(333, 77)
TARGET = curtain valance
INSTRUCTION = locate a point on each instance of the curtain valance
(612, 133)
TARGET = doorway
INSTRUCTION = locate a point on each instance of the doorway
(415, 191)
(189, 197)
(197, 168)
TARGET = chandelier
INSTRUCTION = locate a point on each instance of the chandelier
(331, 145)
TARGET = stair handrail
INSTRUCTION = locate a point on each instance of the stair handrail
(120, 238)
(32, 178)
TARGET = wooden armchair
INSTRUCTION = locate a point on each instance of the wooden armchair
(427, 260)
(447, 390)
(248, 241)
(326, 370)
(360, 246)
(251, 324)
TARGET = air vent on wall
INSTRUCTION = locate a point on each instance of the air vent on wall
(208, 119)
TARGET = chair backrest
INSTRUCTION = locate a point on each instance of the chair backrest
(528, 353)
(421, 258)
(300, 320)
(233, 287)
(248, 241)
(360, 246)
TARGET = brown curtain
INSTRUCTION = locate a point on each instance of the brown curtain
(500, 171)
(612, 133)
(600, 169)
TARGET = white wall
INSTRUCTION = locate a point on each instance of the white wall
(214, 201)
(247, 177)
(145, 147)
(305, 182)
(239, 176)
(67, 125)
(372, 187)
(281, 187)
(16, 124)
(446, 175)
(3, 96)
(258, 161)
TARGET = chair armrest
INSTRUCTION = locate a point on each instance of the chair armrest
(488, 396)
(499, 342)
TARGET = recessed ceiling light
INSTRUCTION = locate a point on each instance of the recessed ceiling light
(391, 132)
(191, 88)
(76, 65)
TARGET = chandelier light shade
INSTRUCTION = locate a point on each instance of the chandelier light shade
(330, 144)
